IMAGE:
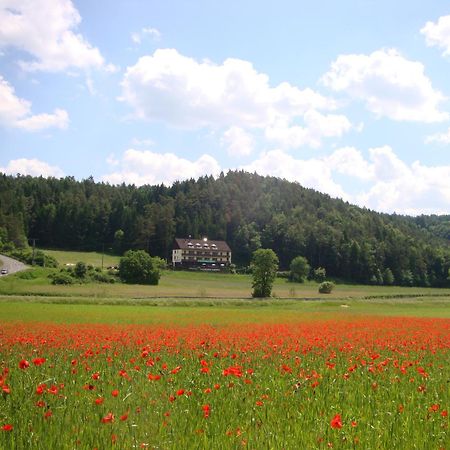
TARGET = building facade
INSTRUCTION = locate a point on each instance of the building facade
(201, 254)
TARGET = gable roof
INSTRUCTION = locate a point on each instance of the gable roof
(192, 244)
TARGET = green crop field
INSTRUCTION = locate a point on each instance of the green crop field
(197, 363)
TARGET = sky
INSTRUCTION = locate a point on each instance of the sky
(351, 98)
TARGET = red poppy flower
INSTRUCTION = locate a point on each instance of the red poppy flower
(180, 392)
(124, 417)
(6, 389)
(109, 418)
(38, 361)
(7, 427)
(99, 401)
(115, 393)
(48, 414)
(24, 364)
(336, 421)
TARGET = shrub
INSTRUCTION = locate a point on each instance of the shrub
(80, 269)
(319, 274)
(137, 266)
(299, 269)
(326, 287)
(62, 278)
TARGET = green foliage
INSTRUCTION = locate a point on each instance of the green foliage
(299, 269)
(62, 278)
(119, 237)
(80, 269)
(247, 210)
(388, 277)
(264, 270)
(326, 287)
(319, 274)
(138, 267)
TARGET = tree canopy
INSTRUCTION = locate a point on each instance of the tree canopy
(246, 210)
(264, 271)
(138, 267)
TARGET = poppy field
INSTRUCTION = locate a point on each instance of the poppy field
(347, 382)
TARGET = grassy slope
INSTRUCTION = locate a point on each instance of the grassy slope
(93, 258)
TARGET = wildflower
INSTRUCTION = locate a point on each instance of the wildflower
(206, 411)
(336, 421)
(109, 418)
(115, 393)
(7, 427)
(24, 364)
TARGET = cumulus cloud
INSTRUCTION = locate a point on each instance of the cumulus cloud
(312, 173)
(317, 126)
(388, 184)
(46, 30)
(238, 142)
(153, 33)
(146, 167)
(408, 189)
(16, 112)
(183, 92)
(389, 84)
(32, 167)
(439, 138)
(437, 34)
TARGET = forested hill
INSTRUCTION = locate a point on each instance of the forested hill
(246, 210)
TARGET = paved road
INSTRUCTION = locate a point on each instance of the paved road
(12, 265)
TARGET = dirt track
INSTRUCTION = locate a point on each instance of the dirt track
(12, 265)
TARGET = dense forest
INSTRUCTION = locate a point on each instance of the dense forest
(247, 210)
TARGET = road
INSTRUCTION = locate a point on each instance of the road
(12, 265)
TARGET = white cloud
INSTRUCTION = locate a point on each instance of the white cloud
(153, 33)
(46, 30)
(439, 138)
(32, 167)
(350, 161)
(438, 34)
(389, 85)
(312, 173)
(238, 142)
(317, 126)
(16, 112)
(182, 92)
(390, 185)
(146, 167)
(406, 189)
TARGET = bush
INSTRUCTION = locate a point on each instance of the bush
(102, 277)
(80, 269)
(299, 269)
(62, 278)
(319, 274)
(27, 275)
(138, 267)
(326, 287)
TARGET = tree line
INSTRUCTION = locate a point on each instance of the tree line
(247, 210)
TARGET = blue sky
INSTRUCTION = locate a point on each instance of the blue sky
(350, 98)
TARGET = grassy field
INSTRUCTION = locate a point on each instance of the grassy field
(175, 311)
(196, 285)
(196, 363)
(93, 258)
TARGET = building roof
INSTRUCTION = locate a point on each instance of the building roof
(192, 244)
